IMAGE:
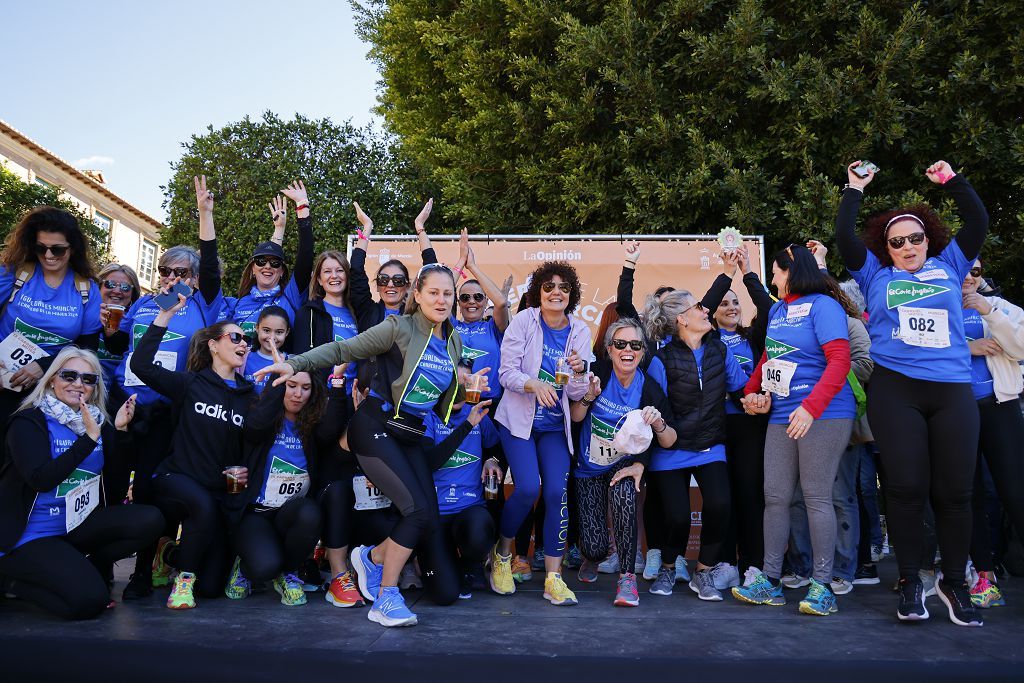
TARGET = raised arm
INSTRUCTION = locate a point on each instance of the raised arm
(975, 218)
(279, 213)
(209, 267)
(722, 284)
(624, 294)
(421, 228)
(375, 341)
(500, 312)
(303, 270)
(851, 248)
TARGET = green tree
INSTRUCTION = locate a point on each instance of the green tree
(688, 115)
(248, 162)
(17, 197)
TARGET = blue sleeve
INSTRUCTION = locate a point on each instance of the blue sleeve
(498, 334)
(92, 324)
(735, 378)
(954, 256)
(488, 434)
(292, 295)
(213, 309)
(829, 320)
(430, 425)
(6, 283)
(863, 276)
(656, 371)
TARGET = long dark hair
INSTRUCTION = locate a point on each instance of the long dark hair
(806, 278)
(199, 356)
(311, 413)
(741, 329)
(20, 246)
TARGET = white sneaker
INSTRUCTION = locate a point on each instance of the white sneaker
(409, 578)
(791, 580)
(840, 586)
(652, 564)
(929, 579)
(610, 565)
(725, 576)
(750, 576)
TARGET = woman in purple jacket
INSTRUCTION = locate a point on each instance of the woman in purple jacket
(542, 368)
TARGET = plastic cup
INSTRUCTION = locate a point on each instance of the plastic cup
(562, 372)
(114, 314)
(491, 487)
(473, 385)
(231, 475)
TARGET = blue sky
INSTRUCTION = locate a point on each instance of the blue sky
(120, 85)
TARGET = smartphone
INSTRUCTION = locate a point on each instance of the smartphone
(863, 168)
(170, 299)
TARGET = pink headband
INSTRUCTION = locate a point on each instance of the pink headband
(899, 218)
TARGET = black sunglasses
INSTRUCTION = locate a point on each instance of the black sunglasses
(633, 344)
(914, 238)
(977, 271)
(397, 280)
(123, 286)
(264, 260)
(476, 296)
(549, 287)
(58, 250)
(178, 272)
(235, 337)
(89, 379)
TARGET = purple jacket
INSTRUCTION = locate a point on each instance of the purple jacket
(521, 352)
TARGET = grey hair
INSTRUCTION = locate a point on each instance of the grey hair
(181, 252)
(852, 291)
(660, 314)
(623, 324)
(98, 397)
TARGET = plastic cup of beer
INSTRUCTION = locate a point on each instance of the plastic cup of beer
(562, 372)
(114, 314)
(231, 475)
(491, 487)
(473, 387)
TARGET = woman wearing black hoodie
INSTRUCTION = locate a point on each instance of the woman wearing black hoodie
(211, 400)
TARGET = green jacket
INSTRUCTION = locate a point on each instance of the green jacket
(397, 344)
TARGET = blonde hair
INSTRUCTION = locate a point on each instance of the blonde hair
(660, 314)
(97, 398)
(411, 305)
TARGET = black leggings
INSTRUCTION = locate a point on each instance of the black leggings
(343, 525)
(400, 471)
(203, 547)
(654, 517)
(1000, 442)
(927, 435)
(54, 572)
(457, 546)
(270, 542)
(744, 447)
(592, 497)
(713, 480)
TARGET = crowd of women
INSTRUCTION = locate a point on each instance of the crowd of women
(303, 425)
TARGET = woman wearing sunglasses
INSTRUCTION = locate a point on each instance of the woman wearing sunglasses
(923, 414)
(55, 531)
(119, 287)
(533, 418)
(995, 337)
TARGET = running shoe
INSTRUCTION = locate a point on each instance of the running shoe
(409, 577)
(957, 599)
(466, 587)
(703, 584)
(139, 586)
(911, 607)
(572, 559)
(682, 572)
(840, 586)
(556, 592)
(758, 590)
(638, 566)
(664, 582)
(162, 570)
(610, 564)
(289, 587)
(238, 587)
(343, 592)
(588, 572)
(181, 595)
(725, 576)
(819, 601)
(791, 580)
(929, 579)
(389, 609)
(501, 579)
(652, 564)
(537, 564)
(368, 573)
(985, 594)
(876, 553)
(866, 575)
(626, 594)
(521, 570)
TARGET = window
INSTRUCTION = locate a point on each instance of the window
(103, 222)
(44, 183)
(147, 259)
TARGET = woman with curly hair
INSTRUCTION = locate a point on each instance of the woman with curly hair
(540, 345)
(920, 405)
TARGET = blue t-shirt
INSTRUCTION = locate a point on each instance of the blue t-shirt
(433, 375)
(173, 351)
(257, 361)
(247, 309)
(108, 362)
(285, 456)
(740, 348)
(796, 333)
(981, 378)
(52, 317)
(457, 482)
(388, 311)
(227, 310)
(344, 328)
(481, 342)
(599, 426)
(49, 512)
(555, 343)
(932, 305)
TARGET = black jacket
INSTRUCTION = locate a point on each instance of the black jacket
(368, 312)
(698, 401)
(29, 467)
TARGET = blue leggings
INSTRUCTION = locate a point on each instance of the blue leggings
(543, 456)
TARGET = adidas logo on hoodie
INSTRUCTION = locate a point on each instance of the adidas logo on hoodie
(217, 412)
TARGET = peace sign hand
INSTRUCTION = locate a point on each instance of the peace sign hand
(204, 198)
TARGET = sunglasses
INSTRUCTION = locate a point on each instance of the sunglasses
(633, 344)
(235, 337)
(476, 296)
(89, 379)
(397, 280)
(699, 306)
(178, 272)
(58, 250)
(914, 238)
(549, 287)
(977, 271)
(264, 260)
(123, 286)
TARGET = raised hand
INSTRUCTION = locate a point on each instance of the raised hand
(91, 428)
(744, 256)
(506, 287)
(730, 262)
(818, 250)
(478, 412)
(363, 219)
(595, 387)
(633, 251)
(855, 180)
(424, 214)
(204, 198)
(283, 371)
(978, 303)
(277, 211)
(939, 172)
(125, 414)
(296, 192)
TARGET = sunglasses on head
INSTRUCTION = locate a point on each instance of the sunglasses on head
(264, 260)
(58, 250)
(398, 280)
(633, 344)
(977, 271)
(235, 337)
(475, 296)
(178, 272)
(123, 286)
(914, 238)
(89, 379)
(549, 287)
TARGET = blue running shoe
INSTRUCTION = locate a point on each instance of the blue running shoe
(819, 601)
(390, 610)
(369, 574)
(759, 591)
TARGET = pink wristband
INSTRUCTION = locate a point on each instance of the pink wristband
(360, 235)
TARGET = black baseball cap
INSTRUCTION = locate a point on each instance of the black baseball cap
(268, 249)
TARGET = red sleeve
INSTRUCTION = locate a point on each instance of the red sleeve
(754, 383)
(837, 367)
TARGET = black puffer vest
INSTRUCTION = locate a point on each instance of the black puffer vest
(698, 400)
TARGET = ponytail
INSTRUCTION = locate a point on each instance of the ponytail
(660, 314)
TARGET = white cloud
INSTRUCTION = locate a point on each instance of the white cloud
(93, 161)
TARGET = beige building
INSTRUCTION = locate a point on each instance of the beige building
(133, 237)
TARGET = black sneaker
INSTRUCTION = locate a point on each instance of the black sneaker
(911, 600)
(140, 586)
(866, 575)
(957, 599)
(466, 587)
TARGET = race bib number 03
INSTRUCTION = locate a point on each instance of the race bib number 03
(925, 327)
(168, 360)
(80, 502)
(776, 376)
(17, 351)
(368, 497)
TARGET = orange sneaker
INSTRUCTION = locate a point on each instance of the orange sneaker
(521, 569)
(343, 592)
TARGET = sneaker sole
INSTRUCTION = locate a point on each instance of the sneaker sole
(949, 608)
(806, 608)
(181, 607)
(649, 577)
(843, 592)
(587, 579)
(356, 560)
(745, 599)
(794, 586)
(559, 603)
(707, 599)
(867, 582)
(913, 617)
(626, 602)
(654, 592)
(330, 599)
(377, 617)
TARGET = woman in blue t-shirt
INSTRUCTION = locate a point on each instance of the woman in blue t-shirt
(327, 316)
(923, 414)
(271, 330)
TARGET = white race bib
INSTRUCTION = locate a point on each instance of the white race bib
(80, 501)
(283, 486)
(927, 327)
(168, 360)
(601, 451)
(367, 497)
(776, 375)
(17, 351)
(798, 311)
